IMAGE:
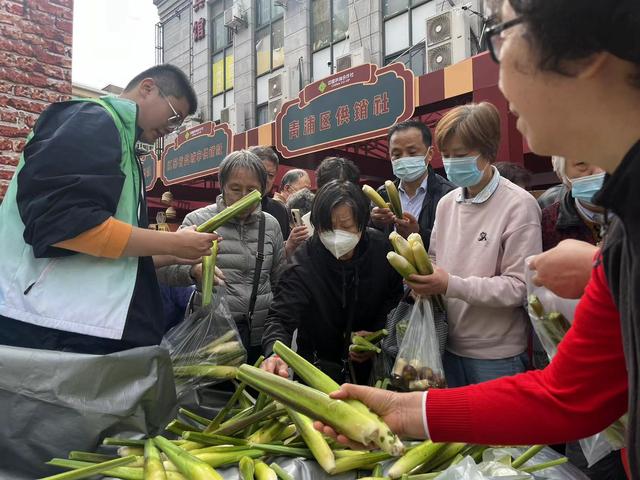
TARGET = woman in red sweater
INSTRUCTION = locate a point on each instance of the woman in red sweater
(571, 73)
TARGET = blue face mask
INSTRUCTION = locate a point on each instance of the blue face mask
(409, 169)
(463, 171)
(585, 188)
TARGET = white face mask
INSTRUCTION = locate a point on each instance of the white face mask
(339, 242)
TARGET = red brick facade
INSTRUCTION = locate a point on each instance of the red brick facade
(35, 70)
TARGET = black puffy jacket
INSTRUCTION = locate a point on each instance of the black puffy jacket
(318, 293)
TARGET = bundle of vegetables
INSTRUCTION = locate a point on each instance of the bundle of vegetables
(246, 202)
(410, 257)
(394, 203)
(249, 432)
(551, 328)
(367, 343)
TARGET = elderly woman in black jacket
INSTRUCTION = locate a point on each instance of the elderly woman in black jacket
(339, 282)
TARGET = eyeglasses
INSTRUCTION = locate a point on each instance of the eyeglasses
(174, 121)
(495, 40)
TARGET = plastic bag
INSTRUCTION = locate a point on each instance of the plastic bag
(205, 348)
(551, 317)
(418, 365)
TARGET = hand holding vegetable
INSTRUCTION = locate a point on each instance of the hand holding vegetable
(407, 224)
(188, 243)
(402, 412)
(434, 284)
(382, 217)
(274, 364)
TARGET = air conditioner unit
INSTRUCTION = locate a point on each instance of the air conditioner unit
(279, 85)
(274, 107)
(357, 57)
(235, 16)
(234, 116)
(448, 39)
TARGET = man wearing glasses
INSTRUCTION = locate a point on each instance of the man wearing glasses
(78, 259)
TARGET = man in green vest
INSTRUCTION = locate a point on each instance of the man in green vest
(77, 264)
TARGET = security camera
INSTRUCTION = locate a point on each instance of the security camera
(329, 63)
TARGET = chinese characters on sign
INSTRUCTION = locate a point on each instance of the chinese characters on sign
(198, 4)
(354, 105)
(149, 163)
(199, 29)
(197, 152)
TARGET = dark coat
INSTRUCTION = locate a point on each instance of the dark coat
(437, 187)
(561, 221)
(318, 293)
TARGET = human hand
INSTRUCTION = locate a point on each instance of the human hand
(165, 260)
(407, 225)
(426, 285)
(274, 364)
(298, 235)
(402, 412)
(361, 357)
(381, 217)
(565, 269)
(187, 243)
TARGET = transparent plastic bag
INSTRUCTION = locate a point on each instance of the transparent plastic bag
(205, 348)
(551, 317)
(418, 365)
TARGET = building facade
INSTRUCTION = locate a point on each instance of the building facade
(245, 57)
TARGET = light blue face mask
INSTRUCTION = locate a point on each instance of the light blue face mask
(585, 188)
(409, 169)
(463, 171)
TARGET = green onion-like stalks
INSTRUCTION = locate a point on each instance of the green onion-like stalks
(313, 403)
(88, 470)
(90, 457)
(357, 462)
(280, 472)
(264, 472)
(526, 456)
(220, 372)
(375, 337)
(191, 467)
(211, 439)
(402, 247)
(316, 378)
(416, 456)
(401, 265)
(374, 196)
(240, 422)
(542, 466)
(124, 473)
(221, 459)
(315, 440)
(246, 468)
(208, 272)
(228, 213)
(153, 468)
(394, 198)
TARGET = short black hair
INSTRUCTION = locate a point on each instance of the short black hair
(412, 123)
(302, 200)
(514, 173)
(292, 176)
(568, 30)
(337, 193)
(337, 168)
(171, 81)
(242, 159)
(265, 154)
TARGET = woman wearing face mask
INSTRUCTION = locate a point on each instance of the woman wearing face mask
(574, 214)
(240, 173)
(571, 72)
(339, 282)
(483, 232)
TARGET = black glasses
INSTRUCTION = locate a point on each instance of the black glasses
(494, 39)
(174, 121)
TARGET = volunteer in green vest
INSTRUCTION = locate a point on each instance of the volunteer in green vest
(77, 264)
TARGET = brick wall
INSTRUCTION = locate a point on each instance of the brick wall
(35, 70)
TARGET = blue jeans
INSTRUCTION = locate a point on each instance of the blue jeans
(461, 371)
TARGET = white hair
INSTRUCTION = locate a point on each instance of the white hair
(559, 167)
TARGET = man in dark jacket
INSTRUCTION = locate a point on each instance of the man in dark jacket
(420, 187)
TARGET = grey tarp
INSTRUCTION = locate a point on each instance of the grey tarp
(53, 402)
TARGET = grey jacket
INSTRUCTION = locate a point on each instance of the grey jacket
(237, 260)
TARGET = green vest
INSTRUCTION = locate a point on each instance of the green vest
(78, 293)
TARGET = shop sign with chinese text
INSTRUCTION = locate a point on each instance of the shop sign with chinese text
(350, 106)
(149, 163)
(196, 152)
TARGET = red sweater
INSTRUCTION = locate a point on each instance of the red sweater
(580, 393)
